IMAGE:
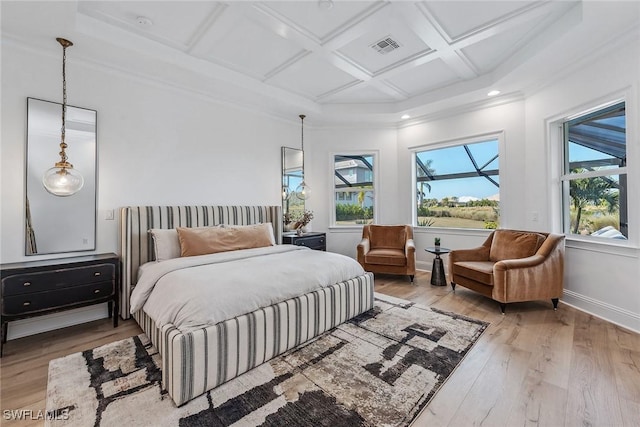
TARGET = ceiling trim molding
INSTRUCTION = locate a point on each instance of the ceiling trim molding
(463, 109)
(9, 41)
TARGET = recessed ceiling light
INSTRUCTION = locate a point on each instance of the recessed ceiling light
(143, 21)
(325, 4)
(405, 117)
(494, 93)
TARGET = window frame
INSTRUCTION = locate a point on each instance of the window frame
(484, 137)
(564, 177)
(555, 146)
(375, 155)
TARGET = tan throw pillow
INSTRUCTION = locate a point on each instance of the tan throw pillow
(166, 244)
(272, 237)
(509, 244)
(213, 240)
(387, 236)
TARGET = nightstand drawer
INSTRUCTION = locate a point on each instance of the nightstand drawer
(313, 242)
(317, 241)
(55, 279)
(37, 301)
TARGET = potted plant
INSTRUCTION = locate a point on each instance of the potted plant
(436, 242)
(303, 221)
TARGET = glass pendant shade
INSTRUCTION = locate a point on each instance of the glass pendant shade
(62, 180)
(303, 191)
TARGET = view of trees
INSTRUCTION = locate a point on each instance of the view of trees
(595, 204)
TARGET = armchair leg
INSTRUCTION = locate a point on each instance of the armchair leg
(453, 286)
(555, 303)
(503, 307)
(411, 278)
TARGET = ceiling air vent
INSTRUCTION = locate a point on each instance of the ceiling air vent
(385, 45)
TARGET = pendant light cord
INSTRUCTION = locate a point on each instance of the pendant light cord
(63, 144)
(302, 116)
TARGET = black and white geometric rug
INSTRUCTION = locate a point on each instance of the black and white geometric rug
(378, 369)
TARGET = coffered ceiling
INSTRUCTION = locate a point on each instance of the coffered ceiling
(342, 61)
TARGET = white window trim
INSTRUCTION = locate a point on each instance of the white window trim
(484, 137)
(375, 154)
(558, 179)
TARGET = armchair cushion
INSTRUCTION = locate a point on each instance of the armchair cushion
(509, 244)
(387, 236)
(480, 271)
(386, 257)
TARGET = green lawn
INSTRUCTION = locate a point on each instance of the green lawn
(453, 222)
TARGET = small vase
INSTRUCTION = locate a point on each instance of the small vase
(299, 231)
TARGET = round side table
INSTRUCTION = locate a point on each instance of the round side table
(438, 277)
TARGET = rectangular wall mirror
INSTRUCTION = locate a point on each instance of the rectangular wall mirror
(59, 224)
(291, 177)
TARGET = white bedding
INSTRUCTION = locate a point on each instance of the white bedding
(192, 292)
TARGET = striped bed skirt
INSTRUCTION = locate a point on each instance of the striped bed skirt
(199, 360)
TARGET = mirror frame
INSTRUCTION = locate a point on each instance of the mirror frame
(41, 153)
(288, 154)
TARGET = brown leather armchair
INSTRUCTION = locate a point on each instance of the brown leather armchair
(512, 266)
(388, 249)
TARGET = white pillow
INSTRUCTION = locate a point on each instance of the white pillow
(165, 243)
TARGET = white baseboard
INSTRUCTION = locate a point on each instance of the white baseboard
(35, 325)
(611, 313)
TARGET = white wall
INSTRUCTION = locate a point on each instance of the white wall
(155, 142)
(324, 143)
(507, 120)
(602, 279)
(156, 145)
(599, 278)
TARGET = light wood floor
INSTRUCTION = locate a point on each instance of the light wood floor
(532, 367)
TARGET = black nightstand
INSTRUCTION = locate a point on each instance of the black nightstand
(317, 241)
(36, 288)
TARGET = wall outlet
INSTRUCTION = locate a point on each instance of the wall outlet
(534, 216)
(109, 214)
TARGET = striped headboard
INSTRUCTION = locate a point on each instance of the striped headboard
(136, 245)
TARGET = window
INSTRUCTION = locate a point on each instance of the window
(459, 186)
(594, 176)
(354, 189)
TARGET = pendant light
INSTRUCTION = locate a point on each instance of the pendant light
(62, 179)
(303, 191)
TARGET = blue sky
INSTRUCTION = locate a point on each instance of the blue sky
(455, 160)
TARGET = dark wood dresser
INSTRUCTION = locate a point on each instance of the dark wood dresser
(35, 288)
(317, 241)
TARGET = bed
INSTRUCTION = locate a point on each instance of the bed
(196, 359)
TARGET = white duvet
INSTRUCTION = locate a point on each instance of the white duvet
(192, 292)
